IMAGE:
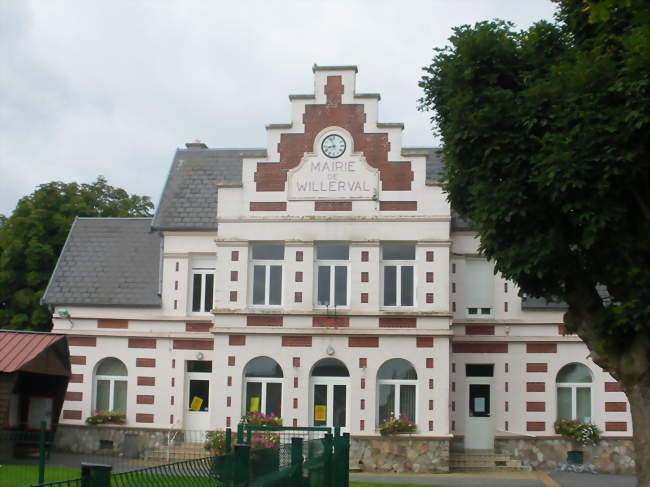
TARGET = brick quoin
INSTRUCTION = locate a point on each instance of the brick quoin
(364, 297)
(193, 344)
(429, 363)
(296, 362)
(363, 383)
(233, 296)
(613, 387)
(231, 363)
(298, 276)
(541, 348)
(234, 255)
(234, 276)
(146, 381)
(429, 298)
(297, 297)
(398, 206)
(363, 363)
(480, 347)
(333, 205)
(105, 323)
(296, 341)
(615, 426)
(615, 407)
(535, 387)
(82, 341)
(236, 340)
(198, 327)
(429, 276)
(144, 399)
(71, 414)
(263, 320)
(78, 359)
(536, 367)
(394, 176)
(76, 378)
(142, 343)
(365, 256)
(479, 330)
(73, 396)
(330, 321)
(364, 276)
(299, 255)
(145, 362)
(368, 342)
(143, 418)
(268, 206)
(424, 342)
(535, 426)
(390, 322)
(536, 406)
(429, 255)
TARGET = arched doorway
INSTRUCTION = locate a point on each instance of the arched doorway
(329, 383)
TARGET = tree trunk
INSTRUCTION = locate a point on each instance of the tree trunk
(639, 397)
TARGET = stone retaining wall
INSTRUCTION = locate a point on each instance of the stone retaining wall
(611, 455)
(400, 454)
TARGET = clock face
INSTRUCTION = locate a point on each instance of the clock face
(333, 146)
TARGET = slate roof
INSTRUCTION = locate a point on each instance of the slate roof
(107, 262)
(189, 199)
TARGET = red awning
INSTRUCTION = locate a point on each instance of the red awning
(18, 348)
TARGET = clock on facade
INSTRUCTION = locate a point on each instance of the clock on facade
(333, 146)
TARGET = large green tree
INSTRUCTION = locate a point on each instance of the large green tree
(546, 136)
(31, 240)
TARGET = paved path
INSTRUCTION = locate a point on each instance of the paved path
(516, 479)
(570, 479)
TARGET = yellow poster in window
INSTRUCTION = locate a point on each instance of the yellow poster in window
(254, 405)
(320, 412)
(196, 403)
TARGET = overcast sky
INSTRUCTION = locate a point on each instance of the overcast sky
(114, 87)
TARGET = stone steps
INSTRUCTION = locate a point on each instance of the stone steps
(178, 452)
(484, 461)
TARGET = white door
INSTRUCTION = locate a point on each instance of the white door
(197, 396)
(329, 402)
(479, 414)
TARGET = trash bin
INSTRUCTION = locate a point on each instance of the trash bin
(95, 475)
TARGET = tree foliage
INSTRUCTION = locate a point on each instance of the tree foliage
(546, 134)
(33, 236)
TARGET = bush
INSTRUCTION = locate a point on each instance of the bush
(259, 419)
(394, 425)
(215, 442)
(581, 433)
(107, 417)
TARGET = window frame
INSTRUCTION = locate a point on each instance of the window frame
(398, 264)
(573, 387)
(397, 384)
(112, 379)
(202, 271)
(332, 264)
(267, 264)
(264, 381)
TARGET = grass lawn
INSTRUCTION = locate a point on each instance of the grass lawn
(22, 475)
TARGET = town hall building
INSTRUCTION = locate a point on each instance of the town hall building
(325, 279)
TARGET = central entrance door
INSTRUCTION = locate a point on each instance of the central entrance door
(479, 419)
(330, 381)
(197, 395)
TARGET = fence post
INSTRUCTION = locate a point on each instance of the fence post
(228, 441)
(240, 433)
(41, 453)
(345, 461)
(95, 475)
(296, 460)
(328, 478)
(242, 457)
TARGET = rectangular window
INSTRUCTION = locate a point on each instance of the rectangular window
(398, 261)
(479, 288)
(332, 274)
(202, 284)
(266, 264)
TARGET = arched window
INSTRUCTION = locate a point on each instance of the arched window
(330, 367)
(110, 385)
(574, 392)
(329, 384)
(396, 389)
(263, 386)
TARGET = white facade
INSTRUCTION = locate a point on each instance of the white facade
(448, 309)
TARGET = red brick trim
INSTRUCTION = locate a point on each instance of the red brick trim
(398, 206)
(480, 348)
(146, 381)
(145, 362)
(330, 321)
(263, 320)
(298, 277)
(295, 362)
(424, 342)
(76, 378)
(535, 387)
(369, 342)
(430, 256)
(615, 426)
(364, 276)
(78, 359)
(535, 425)
(537, 367)
(429, 276)
(363, 362)
(198, 327)
(268, 206)
(234, 276)
(144, 399)
(231, 363)
(363, 383)
(106, 323)
(391, 322)
(142, 343)
(429, 363)
(364, 297)
(236, 340)
(81, 341)
(453, 385)
(429, 298)
(73, 396)
(193, 344)
(541, 348)
(536, 406)
(297, 297)
(71, 414)
(233, 296)
(333, 206)
(613, 387)
(616, 407)
(143, 418)
(234, 255)
(296, 341)
(299, 255)
(365, 256)
(479, 330)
